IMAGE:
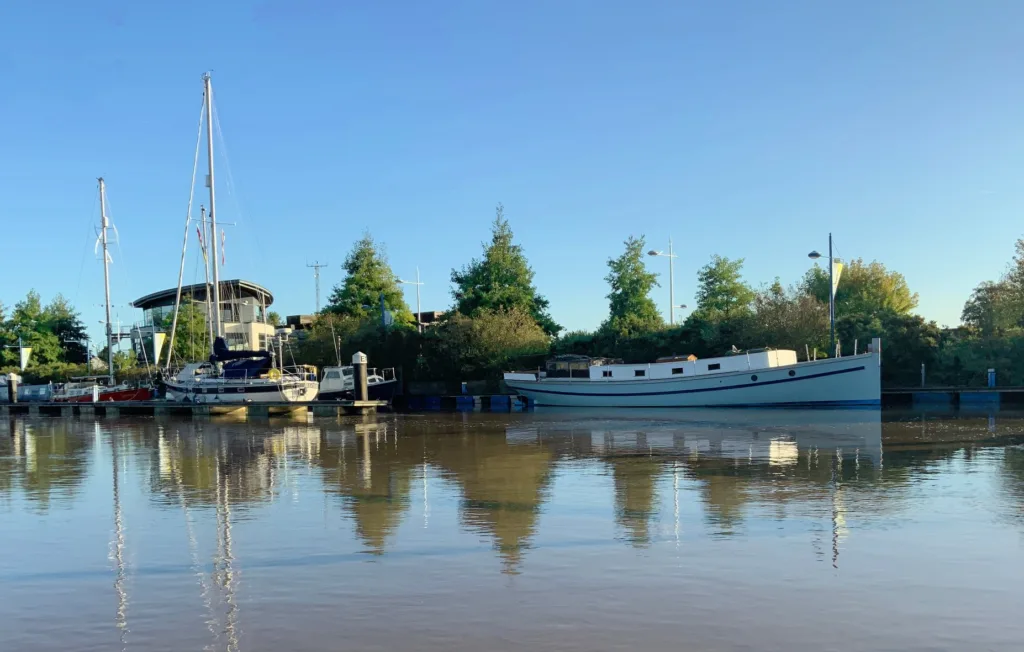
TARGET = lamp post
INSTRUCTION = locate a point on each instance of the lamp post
(417, 283)
(681, 306)
(814, 255)
(671, 280)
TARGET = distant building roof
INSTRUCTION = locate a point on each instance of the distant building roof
(236, 288)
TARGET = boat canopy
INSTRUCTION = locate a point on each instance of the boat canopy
(240, 364)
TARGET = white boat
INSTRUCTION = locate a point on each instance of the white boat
(339, 383)
(243, 377)
(759, 378)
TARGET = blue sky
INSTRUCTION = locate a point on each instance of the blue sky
(746, 129)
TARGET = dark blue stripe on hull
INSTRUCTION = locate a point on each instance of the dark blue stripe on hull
(690, 391)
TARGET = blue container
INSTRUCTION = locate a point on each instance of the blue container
(432, 403)
(464, 403)
(991, 377)
(501, 402)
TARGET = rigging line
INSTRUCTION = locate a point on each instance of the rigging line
(188, 222)
(81, 265)
(231, 184)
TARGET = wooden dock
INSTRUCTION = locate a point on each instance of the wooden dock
(297, 410)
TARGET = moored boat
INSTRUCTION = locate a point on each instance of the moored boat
(242, 377)
(756, 378)
(90, 389)
(339, 384)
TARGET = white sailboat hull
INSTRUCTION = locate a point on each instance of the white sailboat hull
(227, 391)
(850, 381)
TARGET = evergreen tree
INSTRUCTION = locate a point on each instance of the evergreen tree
(501, 280)
(61, 319)
(632, 311)
(721, 291)
(28, 321)
(367, 276)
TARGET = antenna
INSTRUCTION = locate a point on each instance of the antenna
(316, 275)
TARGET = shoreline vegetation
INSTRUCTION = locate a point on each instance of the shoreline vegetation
(500, 321)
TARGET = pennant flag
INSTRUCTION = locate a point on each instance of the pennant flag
(26, 353)
(223, 258)
(158, 345)
(837, 271)
(202, 245)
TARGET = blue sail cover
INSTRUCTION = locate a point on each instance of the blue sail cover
(240, 364)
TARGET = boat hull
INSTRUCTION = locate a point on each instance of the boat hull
(384, 391)
(849, 381)
(135, 394)
(226, 391)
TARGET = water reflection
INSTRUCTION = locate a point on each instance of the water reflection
(208, 523)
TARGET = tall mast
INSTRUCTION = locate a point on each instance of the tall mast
(106, 278)
(213, 205)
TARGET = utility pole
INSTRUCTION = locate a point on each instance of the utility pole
(316, 275)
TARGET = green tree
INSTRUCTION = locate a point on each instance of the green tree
(632, 311)
(721, 291)
(787, 319)
(274, 318)
(29, 322)
(61, 319)
(192, 339)
(502, 279)
(864, 288)
(367, 277)
(464, 348)
(992, 308)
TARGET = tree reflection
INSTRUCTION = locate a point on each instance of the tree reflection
(46, 460)
(504, 485)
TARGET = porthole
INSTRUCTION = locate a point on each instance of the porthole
(792, 372)
(754, 378)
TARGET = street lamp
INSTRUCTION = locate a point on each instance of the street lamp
(814, 255)
(419, 324)
(681, 306)
(671, 279)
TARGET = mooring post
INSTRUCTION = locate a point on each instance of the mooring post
(12, 388)
(359, 365)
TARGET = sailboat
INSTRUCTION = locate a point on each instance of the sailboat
(89, 388)
(232, 376)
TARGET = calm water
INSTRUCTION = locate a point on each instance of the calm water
(692, 530)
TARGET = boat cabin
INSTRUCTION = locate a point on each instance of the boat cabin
(581, 367)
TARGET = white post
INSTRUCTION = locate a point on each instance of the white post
(212, 245)
(106, 279)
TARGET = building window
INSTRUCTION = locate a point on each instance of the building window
(677, 371)
(714, 366)
(639, 373)
(606, 373)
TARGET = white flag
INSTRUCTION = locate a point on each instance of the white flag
(26, 352)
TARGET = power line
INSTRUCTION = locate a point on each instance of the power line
(316, 275)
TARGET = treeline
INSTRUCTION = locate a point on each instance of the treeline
(54, 332)
(499, 320)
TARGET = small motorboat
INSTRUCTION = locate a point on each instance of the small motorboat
(339, 383)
